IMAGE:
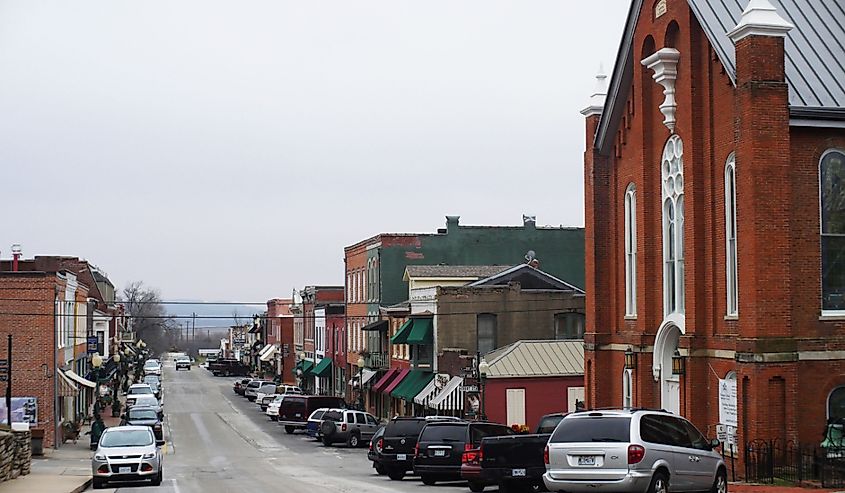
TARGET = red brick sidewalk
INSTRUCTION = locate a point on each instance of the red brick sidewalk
(767, 488)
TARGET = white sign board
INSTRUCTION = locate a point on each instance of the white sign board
(727, 402)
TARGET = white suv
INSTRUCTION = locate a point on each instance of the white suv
(631, 451)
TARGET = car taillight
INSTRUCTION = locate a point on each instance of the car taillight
(417, 450)
(635, 454)
(546, 455)
(380, 445)
(343, 427)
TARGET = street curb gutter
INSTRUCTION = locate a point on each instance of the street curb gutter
(84, 486)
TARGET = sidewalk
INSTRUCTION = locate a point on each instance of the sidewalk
(63, 470)
(768, 488)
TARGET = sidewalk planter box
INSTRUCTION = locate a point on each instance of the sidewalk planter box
(37, 441)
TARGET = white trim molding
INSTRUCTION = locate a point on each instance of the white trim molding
(760, 18)
(664, 63)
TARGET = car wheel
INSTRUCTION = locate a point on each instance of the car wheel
(380, 469)
(720, 485)
(476, 487)
(659, 483)
(396, 474)
(289, 430)
(98, 484)
(353, 441)
(157, 479)
(428, 480)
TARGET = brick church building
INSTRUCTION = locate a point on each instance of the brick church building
(715, 217)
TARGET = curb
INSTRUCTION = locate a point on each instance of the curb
(84, 486)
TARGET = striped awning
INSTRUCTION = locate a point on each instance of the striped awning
(427, 393)
(267, 352)
(81, 381)
(451, 398)
(66, 386)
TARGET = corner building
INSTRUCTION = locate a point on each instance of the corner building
(715, 217)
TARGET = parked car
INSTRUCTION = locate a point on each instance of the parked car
(376, 443)
(144, 416)
(510, 461)
(152, 378)
(631, 451)
(440, 447)
(155, 386)
(183, 363)
(126, 453)
(148, 401)
(264, 400)
(138, 389)
(295, 409)
(346, 426)
(273, 408)
(240, 385)
(400, 441)
(251, 390)
(152, 367)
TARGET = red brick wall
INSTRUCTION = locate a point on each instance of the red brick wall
(778, 238)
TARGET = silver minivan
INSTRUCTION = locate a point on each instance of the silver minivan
(631, 451)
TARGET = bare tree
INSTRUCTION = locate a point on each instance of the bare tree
(148, 316)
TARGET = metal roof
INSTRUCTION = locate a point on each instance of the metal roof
(815, 48)
(537, 359)
(815, 57)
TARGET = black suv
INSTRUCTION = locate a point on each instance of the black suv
(440, 447)
(399, 442)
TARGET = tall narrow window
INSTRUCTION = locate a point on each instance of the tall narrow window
(486, 326)
(672, 172)
(631, 250)
(627, 389)
(832, 184)
(730, 237)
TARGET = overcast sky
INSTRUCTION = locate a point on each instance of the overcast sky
(230, 150)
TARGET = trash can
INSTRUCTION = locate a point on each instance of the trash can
(37, 441)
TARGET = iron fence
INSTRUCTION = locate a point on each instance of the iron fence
(778, 461)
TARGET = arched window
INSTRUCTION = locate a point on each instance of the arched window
(836, 404)
(730, 237)
(832, 185)
(631, 250)
(672, 172)
(627, 389)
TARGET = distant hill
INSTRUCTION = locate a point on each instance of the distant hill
(211, 315)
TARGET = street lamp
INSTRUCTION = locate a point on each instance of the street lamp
(483, 367)
(97, 363)
(679, 364)
(630, 359)
(361, 364)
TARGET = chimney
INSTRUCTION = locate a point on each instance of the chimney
(16, 255)
(759, 40)
(452, 223)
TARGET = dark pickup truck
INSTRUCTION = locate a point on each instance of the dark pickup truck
(228, 367)
(513, 462)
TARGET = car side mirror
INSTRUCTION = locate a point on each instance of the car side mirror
(714, 443)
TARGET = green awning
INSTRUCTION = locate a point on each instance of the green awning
(403, 332)
(323, 368)
(420, 332)
(304, 365)
(412, 385)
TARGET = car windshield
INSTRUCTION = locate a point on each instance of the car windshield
(548, 424)
(404, 428)
(593, 429)
(142, 389)
(279, 398)
(444, 433)
(126, 438)
(150, 364)
(146, 401)
(142, 414)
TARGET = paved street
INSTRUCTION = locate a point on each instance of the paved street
(220, 442)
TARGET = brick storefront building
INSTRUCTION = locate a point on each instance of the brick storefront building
(714, 198)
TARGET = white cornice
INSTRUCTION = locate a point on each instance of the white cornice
(760, 18)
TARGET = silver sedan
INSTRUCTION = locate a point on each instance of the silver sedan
(127, 453)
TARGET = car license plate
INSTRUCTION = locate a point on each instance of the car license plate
(518, 473)
(585, 460)
(124, 470)
(440, 453)
(401, 457)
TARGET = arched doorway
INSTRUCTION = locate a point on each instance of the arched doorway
(665, 345)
